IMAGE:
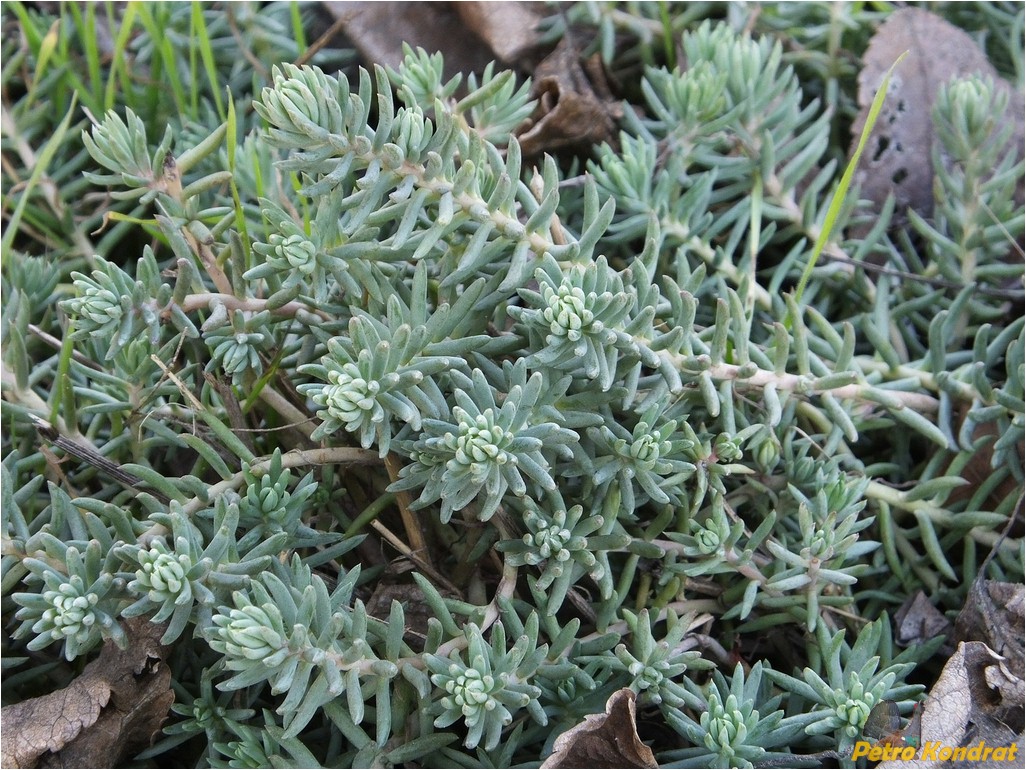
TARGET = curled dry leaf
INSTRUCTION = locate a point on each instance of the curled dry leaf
(416, 610)
(379, 29)
(575, 109)
(509, 28)
(604, 740)
(898, 158)
(112, 710)
(967, 705)
(994, 613)
(918, 621)
(468, 34)
(979, 469)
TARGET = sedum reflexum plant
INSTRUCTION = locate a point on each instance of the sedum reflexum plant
(591, 414)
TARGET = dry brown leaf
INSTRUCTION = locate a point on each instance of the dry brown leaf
(994, 613)
(898, 157)
(507, 27)
(379, 29)
(918, 621)
(416, 610)
(967, 705)
(575, 109)
(112, 710)
(978, 469)
(604, 740)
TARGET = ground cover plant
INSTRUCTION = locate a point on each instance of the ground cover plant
(361, 415)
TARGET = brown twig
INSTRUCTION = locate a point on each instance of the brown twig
(411, 523)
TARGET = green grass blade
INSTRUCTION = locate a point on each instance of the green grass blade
(202, 37)
(167, 57)
(119, 59)
(42, 163)
(837, 202)
(86, 26)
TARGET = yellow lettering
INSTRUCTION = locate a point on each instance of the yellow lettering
(908, 753)
(875, 753)
(1011, 751)
(944, 752)
(930, 751)
(861, 749)
(958, 754)
(976, 752)
(999, 754)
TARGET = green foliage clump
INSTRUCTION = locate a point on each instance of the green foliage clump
(590, 412)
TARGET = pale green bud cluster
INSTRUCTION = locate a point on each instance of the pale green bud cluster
(549, 540)
(479, 444)
(236, 347)
(162, 574)
(292, 252)
(726, 726)
(567, 313)
(350, 399)
(99, 307)
(853, 713)
(852, 705)
(71, 614)
(249, 632)
(470, 692)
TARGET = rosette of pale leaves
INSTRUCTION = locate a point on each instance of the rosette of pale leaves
(652, 462)
(575, 319)
(115, 308)
(837, 700)
(77, 608)
(120, 146)
(35, 278)
(383, 372)
(302, 640)
(484, 450)
(374, 381)
(710, 545)
(236, 338)
(828, 524)
(179, 579)
(269, 507)
(655, 669)
(731, 731)
(254, 747)
(566, 544)
(492, 685)
(296, 262)
(211, 714)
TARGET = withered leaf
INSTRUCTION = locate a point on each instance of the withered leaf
(506, 26)
(416, 610)
(918, 621)
(604, 740)
(978, 469)
(994, 614)
(111, 711)
(898, 157)
(379, 29)
(575, 109)
(967, 705)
